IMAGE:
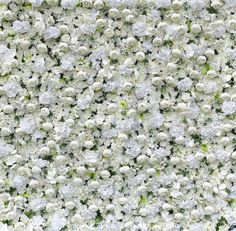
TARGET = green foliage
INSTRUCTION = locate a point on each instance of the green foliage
(221, 222)
(217, 99)
(206, 68)
(212, 10)
(91, 175)
(141, 116)
(123, 104)
(25, 194)
(168, 43)
(30, 213)
(204, 148)
(197, 138)
(189, 25)
(143, 200)
(99, 218)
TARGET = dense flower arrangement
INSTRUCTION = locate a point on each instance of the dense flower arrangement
(117, 115)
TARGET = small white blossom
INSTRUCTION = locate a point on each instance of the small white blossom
(36, 2)
(21, 27)
(229, 107)
(51, 32)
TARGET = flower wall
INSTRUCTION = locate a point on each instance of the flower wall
(117, 115)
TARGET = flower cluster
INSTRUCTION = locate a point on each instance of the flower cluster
(117, 115)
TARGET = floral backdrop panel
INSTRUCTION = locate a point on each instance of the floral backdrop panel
(117, 115)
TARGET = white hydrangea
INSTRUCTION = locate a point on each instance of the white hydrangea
(36, 2)
(7, 58)
(229, 107)
(51, 32)
(27, 125)
(21, 27)
(68, 3)
(46, 98)
(163, 3)
(39, 65)
(185, 84)
(12, 88)
(197, 4)
(5, 149)
(67, 63)
(117, 115)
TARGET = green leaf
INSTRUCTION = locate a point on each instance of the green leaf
(206, 68)
(91, 175)
(100, 30)
(158, 172)
(48, 158)
(168, 43)
(189, 25)
(6, 203)
(63, 80)
(27, 5)
(25, 194)
(141, 116)
(11, 33)
(197, 138)
(124, 104)
(111, 170)
(79, 3)
(84, 201)
(12, 190)
(221, 222)
(204, 148)
(212, 10)
(143, 200)
(8, 222)
(30, 213)
(217, 98)
(99, 218)
(71, 173)
(231, 201)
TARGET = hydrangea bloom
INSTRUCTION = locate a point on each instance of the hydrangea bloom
(117, 115)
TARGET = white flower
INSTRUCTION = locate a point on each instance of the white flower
(37, 204)
(4, 227)
(39, 65)
(117, 115)
(210, 87)
(68, 3)
(156, 121)
(5, 149)
(36, 2)
(197, 4)
(46, 98)
(37, 221)
(12, 88)
(28, 125)
(67, 62)
(84, 102)
(57, 221)
(21, 27)
(139, 29)
(51, 32)
(229, 107)
(91, 157)
(87, 28)
(6, 54)
(62, 130)
(18, 182)
(185, 84)
(67, 191)
(163, 3)
(176, 131)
